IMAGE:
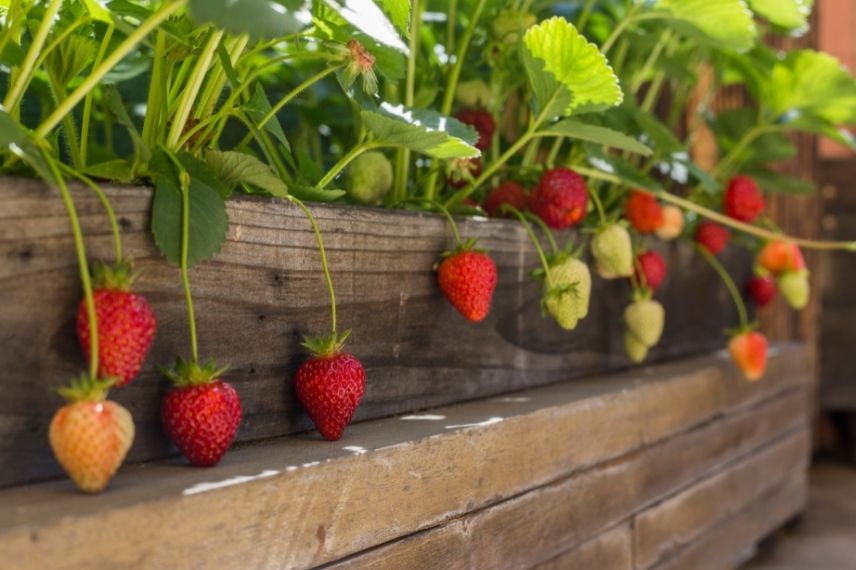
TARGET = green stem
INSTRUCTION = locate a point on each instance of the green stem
(545, 230)
(443, 210)
(460, 56)
(744, 142)
(156, 99)
(729, 284)
(402, 155)
(598, 204)
(639, 76)
(105, 202)
(291, 95)
(451, 22)
(519, 215)
(343, 162)
(22, 79)
(87, 101)
(115, 57)
(324, 264)
(83, 265)
(584, 15)
(554, 150)
(751, 229)
(184, 183)
(191, 90)
(462, 194)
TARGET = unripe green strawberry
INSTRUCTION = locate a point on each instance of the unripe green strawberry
(613, 250)
(369, 177)
(795, 288)
(475, 93)
(567, 290)
(635, 350)
(509, 25)
(645, 319)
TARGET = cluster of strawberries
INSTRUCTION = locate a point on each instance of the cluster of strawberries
(561, 200)
(90, 436)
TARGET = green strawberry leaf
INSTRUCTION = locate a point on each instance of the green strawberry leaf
(567, 74)
(789, 14)
(97, 11)
(420, 130)
(812, 83)
(399, 13)
(235, 168)
(209, 223)
(17, 141)
(68, 59)
(617, 169)
(723, 23)
(257, 107)
(259, 18)
(365, 16)
(596, 134)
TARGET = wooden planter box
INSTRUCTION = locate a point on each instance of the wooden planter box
(264, 291)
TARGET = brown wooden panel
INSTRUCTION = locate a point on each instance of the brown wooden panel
(295, 502)
(724, 545)
(264, 291)
(610, 550)
(665, 528)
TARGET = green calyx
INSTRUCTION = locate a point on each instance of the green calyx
(642, 293)
(325, 346)
(468, 245)
(189, 373)
(737, 331)
(119, 276)
(86, 389)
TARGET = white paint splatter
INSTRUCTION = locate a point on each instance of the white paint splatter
(210, 486)
(355, 449)
(291, 468)
(311, 464)
(513, 400)
(429, 417)
(487, 422)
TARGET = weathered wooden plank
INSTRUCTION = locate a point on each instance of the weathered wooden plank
(610, 550)
(296, 502)
(264, 291)
(723, 545)
(667, 527)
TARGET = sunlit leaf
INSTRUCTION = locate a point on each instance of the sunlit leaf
(259, 18)
(422, 131)
(789, 14)
(724, 23)
(235, 168)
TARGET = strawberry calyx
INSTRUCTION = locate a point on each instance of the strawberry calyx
(642, 293)
(117, 277)
(467, 245)
(85, 388)
(188, 373)
(742, 329)
(326, 346)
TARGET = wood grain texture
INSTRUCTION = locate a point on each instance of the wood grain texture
(264, 291)
(514, 481)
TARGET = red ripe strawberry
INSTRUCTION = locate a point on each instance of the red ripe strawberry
(560, 198)
(762, 290)
(468, 278)
(481, 121)
(743, 201)
(461, 172)
(712, 236)
(330, 386)
(749, 352)
(653, 269)
(509, 192)
(201, 414)
(779, 256)
(643, 211)
(90, 435)
(126, 324)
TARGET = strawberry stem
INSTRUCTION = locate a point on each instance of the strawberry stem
(184, 183)
(443, 210)
(545, 230)
(105, 202)
(598, 204)
(519, 215)
(729, 284)
(324, 265)
(83, 265)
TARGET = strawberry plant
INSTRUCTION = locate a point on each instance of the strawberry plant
(594, 107)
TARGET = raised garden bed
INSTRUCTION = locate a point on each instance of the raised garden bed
(264, 291)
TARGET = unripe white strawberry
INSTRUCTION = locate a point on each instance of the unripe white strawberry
(567, 291)
(635, 350)
(613, 250)
(795, 288)
(645, 319)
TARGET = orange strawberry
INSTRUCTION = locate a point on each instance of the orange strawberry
(779, 256)
(749, 352)
(90, 435)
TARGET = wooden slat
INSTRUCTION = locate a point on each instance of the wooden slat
(301, 502)
(667, 527)
(264, 291)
